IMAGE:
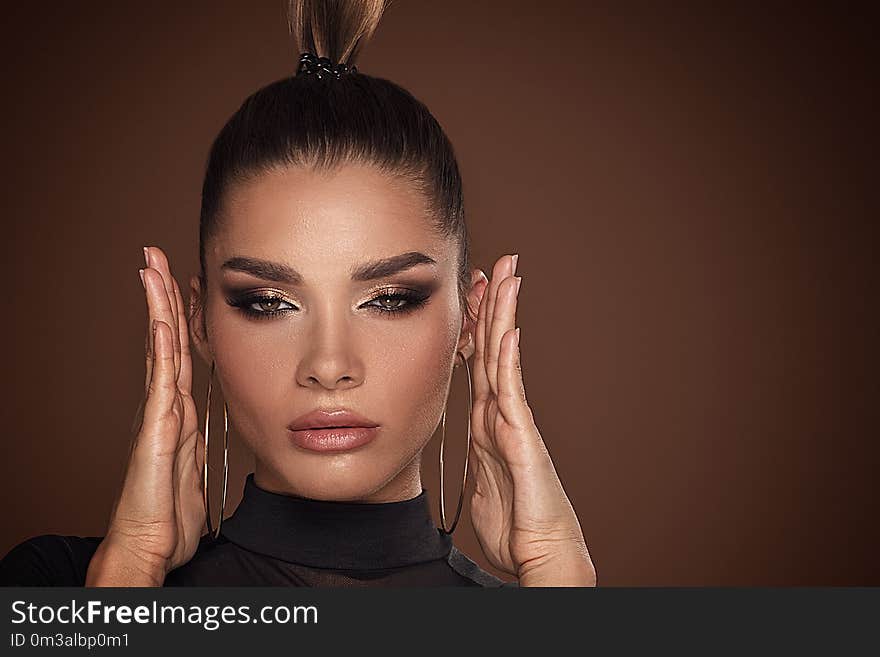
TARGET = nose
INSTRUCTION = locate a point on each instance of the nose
(331, 359)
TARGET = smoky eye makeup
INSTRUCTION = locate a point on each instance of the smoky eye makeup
(389, 301)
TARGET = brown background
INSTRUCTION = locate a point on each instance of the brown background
(688, 191)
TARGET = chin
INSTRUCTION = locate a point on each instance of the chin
(341, 491)
(342, 477)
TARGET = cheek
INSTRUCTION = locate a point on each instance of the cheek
(415, 366)
(258, 376)
(414, 371)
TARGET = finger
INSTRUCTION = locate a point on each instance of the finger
(162, 391)
(503, 319)
(148, 336)
(159, 262)
(512, 401)
(502, 269)
(184, 377)
(472, 468)
(480, 380)
(159, 308)
(138, 419)
(199, 447)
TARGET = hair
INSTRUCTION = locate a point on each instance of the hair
(321, 123)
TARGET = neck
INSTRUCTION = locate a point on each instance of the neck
(336, 534)
(405, 485)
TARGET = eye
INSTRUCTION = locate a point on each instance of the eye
(390, 303)
(399, 302)
(250, 305)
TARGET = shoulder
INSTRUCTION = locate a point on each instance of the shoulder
(468, 569)
(49, 560)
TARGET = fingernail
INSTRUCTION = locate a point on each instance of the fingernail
(515, 258)
(518, 283)
(141, 272)
(517, 336)
(147, 256)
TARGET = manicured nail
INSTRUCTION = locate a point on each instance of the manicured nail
(515, 258)
(518, 283)
(147, 256)
(143, 282)
(517, 336)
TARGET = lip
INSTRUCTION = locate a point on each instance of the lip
(338, 439)
(336, 418)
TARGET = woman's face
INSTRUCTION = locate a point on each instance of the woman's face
(383, 347)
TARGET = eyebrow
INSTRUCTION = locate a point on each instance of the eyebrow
(281, 273)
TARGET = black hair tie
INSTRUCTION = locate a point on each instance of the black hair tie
(310, 64)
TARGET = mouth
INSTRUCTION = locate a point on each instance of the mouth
(340, 418)
(333, 439)
(333, 430)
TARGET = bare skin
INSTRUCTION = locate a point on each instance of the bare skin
(329, 346)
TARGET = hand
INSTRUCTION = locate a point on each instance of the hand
(522, 517)
(158, 516)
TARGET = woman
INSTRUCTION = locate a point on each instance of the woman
(334, 291)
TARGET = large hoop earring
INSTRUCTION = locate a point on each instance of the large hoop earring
(466, 456)
(225, 459)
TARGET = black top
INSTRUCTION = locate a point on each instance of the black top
(284, 540)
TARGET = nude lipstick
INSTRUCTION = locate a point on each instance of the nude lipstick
(334, 430)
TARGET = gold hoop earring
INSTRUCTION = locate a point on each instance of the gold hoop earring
(466, 456)
(225, 459)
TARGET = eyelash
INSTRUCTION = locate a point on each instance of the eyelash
(414, 301)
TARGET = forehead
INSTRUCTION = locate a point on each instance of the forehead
(350, 213)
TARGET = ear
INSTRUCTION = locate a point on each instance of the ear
(198, 336)
(466, 341)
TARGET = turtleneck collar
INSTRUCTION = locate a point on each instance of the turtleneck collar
(337, 535)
